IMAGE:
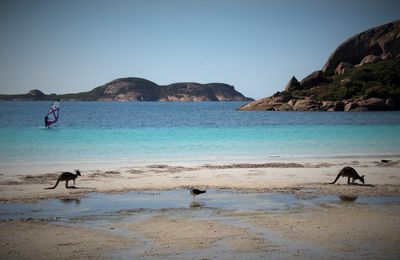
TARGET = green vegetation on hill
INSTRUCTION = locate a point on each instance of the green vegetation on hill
(94, 94)
(380, 79)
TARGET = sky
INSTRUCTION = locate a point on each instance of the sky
(72, 46)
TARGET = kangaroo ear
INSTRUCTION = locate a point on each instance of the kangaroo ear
(363, 176)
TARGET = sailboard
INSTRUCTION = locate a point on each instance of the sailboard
(53, 114)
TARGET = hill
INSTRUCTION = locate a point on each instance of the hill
(138, 89)
(362, 74)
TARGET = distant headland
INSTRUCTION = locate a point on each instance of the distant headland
(138, 89)
(362, 74)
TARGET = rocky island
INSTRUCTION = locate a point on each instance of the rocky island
(138, 89)
(362, 74)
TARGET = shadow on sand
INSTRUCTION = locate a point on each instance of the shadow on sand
(72, 187)
(360, 184)
(355, 184)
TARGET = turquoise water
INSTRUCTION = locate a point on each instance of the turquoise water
(206, 131)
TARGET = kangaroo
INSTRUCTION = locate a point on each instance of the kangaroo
(350, 173)
(66, 176)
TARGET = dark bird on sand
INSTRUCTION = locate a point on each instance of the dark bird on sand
(196, 192)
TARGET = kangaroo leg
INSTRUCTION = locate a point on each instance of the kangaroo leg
(348, 180)
(66, 184)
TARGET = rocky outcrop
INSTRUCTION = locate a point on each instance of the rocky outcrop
(137, 89)
(362, 74)
(312, 80)
(310, 105)
(382, 41)
(292, 85)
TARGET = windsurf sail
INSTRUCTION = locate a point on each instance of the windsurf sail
(52, 114)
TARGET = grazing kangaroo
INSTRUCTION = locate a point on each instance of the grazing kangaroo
(66, 176)
(350, 173)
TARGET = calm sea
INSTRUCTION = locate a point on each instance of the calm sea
(204, 132)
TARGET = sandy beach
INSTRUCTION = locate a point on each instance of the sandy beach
(339, 230)
(291, 177)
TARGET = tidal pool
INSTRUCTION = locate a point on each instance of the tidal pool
(104, 204)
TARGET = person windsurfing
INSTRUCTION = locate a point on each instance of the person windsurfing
(46, 122)
(52, 114)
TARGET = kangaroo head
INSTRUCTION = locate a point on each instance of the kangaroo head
(362, 178)
(78, 172)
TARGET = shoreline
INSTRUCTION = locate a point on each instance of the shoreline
(24, 167)
(273, 176)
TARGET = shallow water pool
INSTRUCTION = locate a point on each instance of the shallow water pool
(103, 204)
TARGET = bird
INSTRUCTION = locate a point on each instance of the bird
(196, 192)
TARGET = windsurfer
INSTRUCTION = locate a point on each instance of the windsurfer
(46, 122)
(52, 114)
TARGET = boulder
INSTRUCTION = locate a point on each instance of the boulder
(377, 41)
(327, 105)
(370, 59)
(390, 103)
(306, 105)
(350, 106)
(284, 107)
(332, 105)
(293, 84)
(264, 104)
(312, 80)
(342, 67)
(386, 56)
(376, 104)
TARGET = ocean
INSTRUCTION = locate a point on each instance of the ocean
(200, 132)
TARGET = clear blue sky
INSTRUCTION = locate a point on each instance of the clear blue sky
(71, 46)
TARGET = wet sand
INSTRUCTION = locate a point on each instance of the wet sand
(328, 230)
(41, 240)
(344, 232)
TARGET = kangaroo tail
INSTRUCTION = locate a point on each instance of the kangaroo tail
(337, 177)
(50, 188)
